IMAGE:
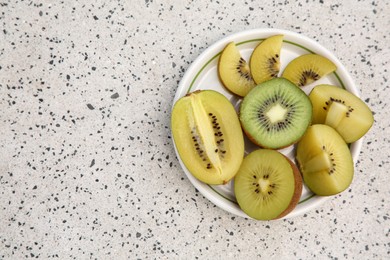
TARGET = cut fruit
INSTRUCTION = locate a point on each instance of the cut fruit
(275, 114)
(265, 60)
(308, 68)
(268, 185)
(324, 160)
(336, 113)
(234, 71)
(342, 110)
(208, 136)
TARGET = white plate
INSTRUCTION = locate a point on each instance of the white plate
(202, 74)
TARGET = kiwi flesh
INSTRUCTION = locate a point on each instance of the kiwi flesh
(208, 136)
(324, 160)
(268, 185)
(265, 59)
(342, 110)
(308, 68)
(275, 114)
(234, 71)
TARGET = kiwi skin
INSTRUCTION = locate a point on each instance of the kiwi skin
(298, 183)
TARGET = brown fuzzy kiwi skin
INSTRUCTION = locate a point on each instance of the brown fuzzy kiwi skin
(298, 182)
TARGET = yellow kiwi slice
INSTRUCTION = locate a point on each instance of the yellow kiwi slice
(308, 68)
(325, 160)
(208, 136)
(234, 71)
(342, 110)
(268, 185)
(265, 59)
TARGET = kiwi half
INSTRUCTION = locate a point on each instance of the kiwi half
(308, 68)
(268, 185)
(325, 160)
(275, 114)
(234, 71)
(208, 136)
(265, 59)
(342, 110)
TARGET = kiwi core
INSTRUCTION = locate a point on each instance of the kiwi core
(264, 185)
(201, 116)
(320, 162)
(276, 113)
(336, 113)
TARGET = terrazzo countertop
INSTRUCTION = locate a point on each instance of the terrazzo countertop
(88, 169)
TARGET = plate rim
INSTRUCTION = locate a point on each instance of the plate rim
(212, 52)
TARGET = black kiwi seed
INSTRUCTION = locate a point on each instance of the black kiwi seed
(308, 74)
(331, 100)
(199, 147)
(243, 70)
(278, 125)
(273, 69)
(217, 135)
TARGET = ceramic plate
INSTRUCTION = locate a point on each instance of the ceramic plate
(202, 74)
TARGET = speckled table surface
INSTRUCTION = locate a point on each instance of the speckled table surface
(88, 168)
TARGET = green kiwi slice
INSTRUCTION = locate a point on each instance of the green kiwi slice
(325, 160)
(275, 114)
(268, 185)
